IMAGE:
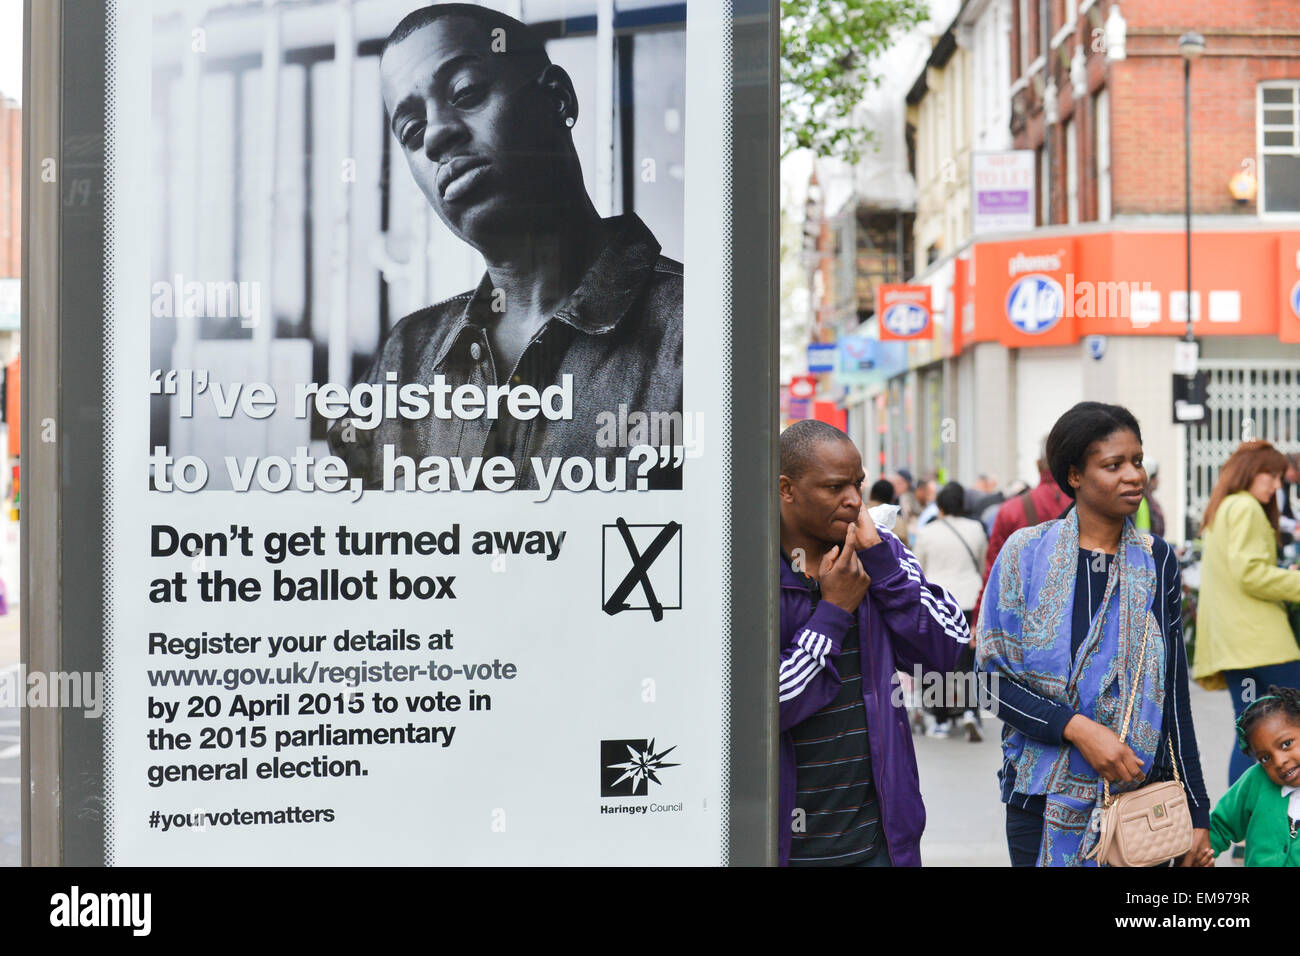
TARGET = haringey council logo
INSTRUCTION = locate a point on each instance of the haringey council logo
(628, 766)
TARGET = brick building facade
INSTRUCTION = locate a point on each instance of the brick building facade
(1111, 84)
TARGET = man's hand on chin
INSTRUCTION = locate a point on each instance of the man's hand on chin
(868, 536)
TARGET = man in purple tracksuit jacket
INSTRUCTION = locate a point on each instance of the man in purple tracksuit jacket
(855, 608)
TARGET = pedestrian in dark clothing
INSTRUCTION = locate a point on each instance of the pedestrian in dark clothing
(855, 608)
(882, 493)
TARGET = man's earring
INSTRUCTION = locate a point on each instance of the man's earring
(569, 121)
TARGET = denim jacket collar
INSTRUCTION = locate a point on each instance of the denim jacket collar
(603, 297)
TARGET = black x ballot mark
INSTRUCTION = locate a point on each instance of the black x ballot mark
(640, 572)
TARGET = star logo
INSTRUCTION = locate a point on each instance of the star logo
(628, 766)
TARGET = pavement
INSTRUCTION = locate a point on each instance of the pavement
(10, 849)
(965, 819)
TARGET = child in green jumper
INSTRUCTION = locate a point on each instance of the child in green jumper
(1263, 806)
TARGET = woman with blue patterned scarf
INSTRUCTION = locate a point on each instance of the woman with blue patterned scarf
(1070, 603)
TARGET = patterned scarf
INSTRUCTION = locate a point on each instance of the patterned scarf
(1024, 636)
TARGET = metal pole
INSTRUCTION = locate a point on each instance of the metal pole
(1187, 176)
(1189, 530)
(40, 728)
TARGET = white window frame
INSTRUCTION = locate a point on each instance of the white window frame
(1261, 150)
(1102, 112)
(1067, 28)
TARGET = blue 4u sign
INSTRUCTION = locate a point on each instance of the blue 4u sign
(906, 318)
(1035, 303)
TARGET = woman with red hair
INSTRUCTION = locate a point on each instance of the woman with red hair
(1243, 639)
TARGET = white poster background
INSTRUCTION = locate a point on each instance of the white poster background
(520, 783)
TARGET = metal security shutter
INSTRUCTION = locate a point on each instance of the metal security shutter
(1246, 401)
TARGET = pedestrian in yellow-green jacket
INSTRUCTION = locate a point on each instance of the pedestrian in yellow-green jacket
(1243, 639)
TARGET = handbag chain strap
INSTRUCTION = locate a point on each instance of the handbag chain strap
(945, 523)
(1128, 715)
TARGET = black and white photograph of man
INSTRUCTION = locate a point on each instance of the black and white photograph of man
(484, 121)
(370, 195)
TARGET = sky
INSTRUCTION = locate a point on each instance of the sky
(11, 48)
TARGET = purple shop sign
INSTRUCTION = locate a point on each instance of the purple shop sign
(1003, 189)
(1002, 202)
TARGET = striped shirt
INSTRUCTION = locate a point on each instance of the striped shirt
(835, 789)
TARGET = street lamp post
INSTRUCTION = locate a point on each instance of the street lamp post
(1190, 46)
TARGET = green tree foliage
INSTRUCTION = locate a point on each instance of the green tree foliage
(826, 49)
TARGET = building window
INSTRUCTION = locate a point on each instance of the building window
(1279, 147)
(1101, 128)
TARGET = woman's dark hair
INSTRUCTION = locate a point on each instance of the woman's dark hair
(882, 491)
(1077, 430)
(951, 499)
(1278, 700)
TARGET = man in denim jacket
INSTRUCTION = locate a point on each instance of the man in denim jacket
(855, 608)
(484, 120)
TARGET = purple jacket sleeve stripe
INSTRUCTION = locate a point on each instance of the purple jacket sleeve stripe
(808, 643)
(926, 624)
(802, 666)
(793, 687)
(807, 679)
(947, 614)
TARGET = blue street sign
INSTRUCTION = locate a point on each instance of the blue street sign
(821, 358)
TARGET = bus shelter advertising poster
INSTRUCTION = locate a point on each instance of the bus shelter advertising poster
(417, 443)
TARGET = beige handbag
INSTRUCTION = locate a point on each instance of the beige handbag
(1148, 826)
